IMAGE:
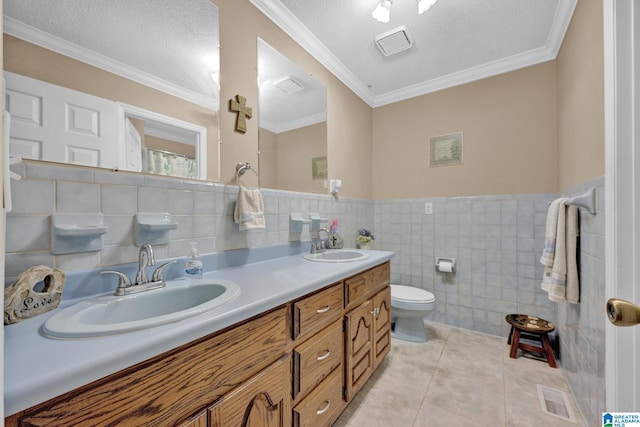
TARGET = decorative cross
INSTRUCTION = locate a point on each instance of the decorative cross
(243, 111)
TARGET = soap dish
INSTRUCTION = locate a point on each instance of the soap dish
(153, 228)
(76, 232)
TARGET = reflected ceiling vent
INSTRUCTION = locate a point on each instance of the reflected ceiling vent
(289, 85)
(394, 41)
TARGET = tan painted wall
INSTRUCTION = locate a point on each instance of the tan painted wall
(285, 158)
(296, 148)
(581, 97)
(33, 61)
(539, 129)
(509, 146)
(348, 119)
(268, 165)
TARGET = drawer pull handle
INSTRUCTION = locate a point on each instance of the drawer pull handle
(323, 309)
(323, 410)
(324, 356)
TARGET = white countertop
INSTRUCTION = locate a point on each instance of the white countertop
(38, 368)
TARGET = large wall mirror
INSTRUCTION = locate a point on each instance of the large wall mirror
(292, 108)
(119, 84)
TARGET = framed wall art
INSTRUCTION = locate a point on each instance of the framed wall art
(445, 150)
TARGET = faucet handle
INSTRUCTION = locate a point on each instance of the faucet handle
(158, 273)
(123, 281)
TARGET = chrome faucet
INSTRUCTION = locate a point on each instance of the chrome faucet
(145, 259)
(142, 283)
(318, 245)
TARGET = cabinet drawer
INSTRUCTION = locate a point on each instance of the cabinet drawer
(323, 405)
(358, 288)
(314, 312)
(316, 358)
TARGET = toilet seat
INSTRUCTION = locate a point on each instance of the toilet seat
(410, 294)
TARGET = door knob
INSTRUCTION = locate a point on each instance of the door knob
(623, 313)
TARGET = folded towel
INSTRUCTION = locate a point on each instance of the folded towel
(560, 278)
(249, 210)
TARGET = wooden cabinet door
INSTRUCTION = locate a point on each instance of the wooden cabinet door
(358, 348)
(199, 420)
(262, 401)
(381, 325)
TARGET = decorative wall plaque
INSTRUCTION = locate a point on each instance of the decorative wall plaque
(445, 150)
(319, 167)
(239, 105)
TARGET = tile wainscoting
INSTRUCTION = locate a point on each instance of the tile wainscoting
(496, 241)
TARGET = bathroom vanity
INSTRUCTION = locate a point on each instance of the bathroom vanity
(298, 355)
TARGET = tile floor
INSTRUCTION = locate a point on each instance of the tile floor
(458, 378)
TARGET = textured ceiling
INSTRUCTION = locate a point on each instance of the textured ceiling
(174, 41)
(456, 41)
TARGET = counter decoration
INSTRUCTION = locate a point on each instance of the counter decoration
(22, 300)
(365, 238)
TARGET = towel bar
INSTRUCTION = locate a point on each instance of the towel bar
(586, 200)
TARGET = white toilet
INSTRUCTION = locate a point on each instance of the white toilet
(409, 306)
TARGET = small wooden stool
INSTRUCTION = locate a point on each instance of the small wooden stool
(531, 328)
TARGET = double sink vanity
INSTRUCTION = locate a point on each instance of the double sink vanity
(286, 341)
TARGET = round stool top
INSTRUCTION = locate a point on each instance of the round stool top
(528, 323)
(411, 294)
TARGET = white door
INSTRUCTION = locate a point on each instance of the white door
(622, 180)
(132, 147)
(53, 123)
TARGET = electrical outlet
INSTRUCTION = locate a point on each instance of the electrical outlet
(428, 208)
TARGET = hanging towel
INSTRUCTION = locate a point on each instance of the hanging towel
(573, 281)
(249, 210)
(560, 278)
(551, 232)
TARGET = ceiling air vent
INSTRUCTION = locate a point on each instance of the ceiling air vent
(394, 41)
(289, 85)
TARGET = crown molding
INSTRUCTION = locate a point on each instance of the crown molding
(56, 44)
(294, 124)
(284, 19)
(292, 26)
(526, 59)
(560, 24)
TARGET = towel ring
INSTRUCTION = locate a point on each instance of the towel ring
(242, 168)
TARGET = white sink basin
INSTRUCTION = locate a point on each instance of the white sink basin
(110, 315)
(337, 255)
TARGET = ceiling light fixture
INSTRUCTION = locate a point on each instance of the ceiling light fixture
(424, 5)
(382, 12)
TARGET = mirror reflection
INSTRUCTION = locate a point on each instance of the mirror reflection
(118, 84)
(292, 110)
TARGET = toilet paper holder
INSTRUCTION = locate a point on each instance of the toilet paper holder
(446, 265)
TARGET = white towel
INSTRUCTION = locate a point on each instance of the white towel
(551, 232)
(249, 210)
(559, 256)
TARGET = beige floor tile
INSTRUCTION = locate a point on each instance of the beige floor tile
(468, 393)
(457, 378)
(433, 416)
